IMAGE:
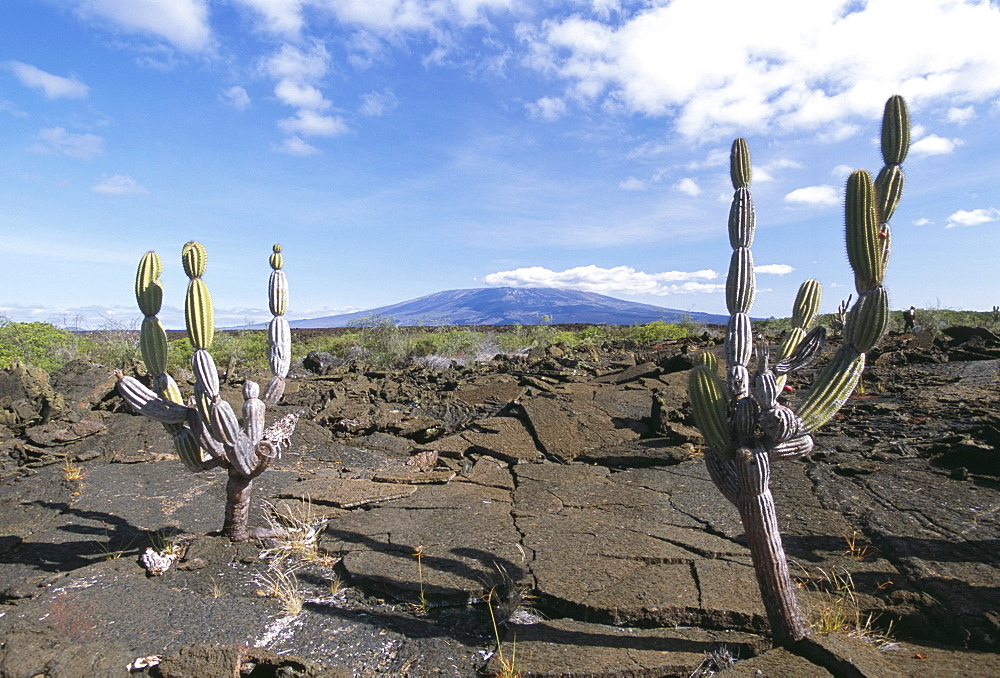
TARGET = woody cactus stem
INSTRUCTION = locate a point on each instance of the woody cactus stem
(206, 431)
(741, 418)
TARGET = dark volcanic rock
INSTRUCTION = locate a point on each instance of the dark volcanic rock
(621, 559)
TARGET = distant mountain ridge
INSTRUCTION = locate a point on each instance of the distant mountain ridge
(514, 305)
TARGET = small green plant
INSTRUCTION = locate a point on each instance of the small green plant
(857, 548)
(107, 547)
(419, 554)
(71, 471)
(506, 665)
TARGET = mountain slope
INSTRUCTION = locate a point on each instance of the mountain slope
(510, 305)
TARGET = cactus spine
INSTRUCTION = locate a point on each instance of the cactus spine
(742, 419)
(206, 431)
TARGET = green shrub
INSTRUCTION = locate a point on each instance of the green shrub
(659, 330)
(39, 344)
(453, 342)
(114, 346)
(247, 347)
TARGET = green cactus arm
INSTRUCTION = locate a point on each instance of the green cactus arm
(708, 359)
(148, 291)
(833, 386)
(806, 304)
(194, 258)
(865, 250)
(868, 320)
(741, 283)
(742, 219)
(708, 402)
(199, 314)
(153, 345)
(739, 164)
(895, 130)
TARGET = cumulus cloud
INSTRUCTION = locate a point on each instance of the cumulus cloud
(378, 103)
(620, 280)
(236, 97)
(934, 145)
(688, 186)
(300, 65)
(119, 184)
(52, 86)
(973, 217)
(297, 146)
(773, 269)
(547, 108)
(814, 195)
(182, 23)
(961, 115)
(57, 141)
(749, 72)
(922, 221)
(299, 71)
(282, 17)
(395, 16)
(300, 95)
(312, 124)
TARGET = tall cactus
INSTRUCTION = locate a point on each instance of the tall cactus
(740, 416)
(205, 430)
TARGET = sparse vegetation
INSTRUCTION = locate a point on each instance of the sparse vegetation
(838, 609)
(283, 584)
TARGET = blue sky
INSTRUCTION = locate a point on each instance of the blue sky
(397, 148)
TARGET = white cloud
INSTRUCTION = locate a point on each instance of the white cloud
(620, 279)
(300, 95)
(292, 63)
(961, 115)
(773, 269)
(632, 184)
(814, 195)
(236, 97)
(57, 141)
(283, 17)
(922, 221)
(842, 171)
(311, 124)
(52, 86)
(119, 184)
(378, 103)
(973, 217)
(394, 16)
(747, 71)
(182, 23)
(547, 108)
(688, 186)
(297, 146)
(934, 145)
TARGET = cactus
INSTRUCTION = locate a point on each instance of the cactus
(744, 424)
(205, 430)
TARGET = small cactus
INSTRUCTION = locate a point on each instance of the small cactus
(205, 430)
(742, 419)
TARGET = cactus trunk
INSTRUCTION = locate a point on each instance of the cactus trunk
(238, 489)
(760, 522)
